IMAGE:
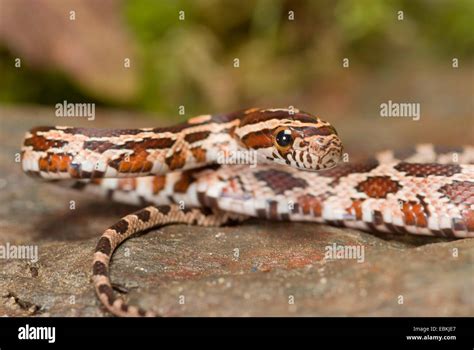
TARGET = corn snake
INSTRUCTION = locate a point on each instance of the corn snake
(173, 170)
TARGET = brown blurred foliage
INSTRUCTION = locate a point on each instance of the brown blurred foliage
(72, 36)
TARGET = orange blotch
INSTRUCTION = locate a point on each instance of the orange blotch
(199, 154)
(378, 186)
(415, 214)
(468, 216)
(356, 209)
(40, 143)
(43, 164)
(158, 183)
(177, 160)
(183, 183)
(257, 140)
(308, 203)
(54, 163)
(136, 163)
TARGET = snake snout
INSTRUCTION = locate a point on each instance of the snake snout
(329, 150)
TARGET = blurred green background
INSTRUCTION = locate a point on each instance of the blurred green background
(190, 62)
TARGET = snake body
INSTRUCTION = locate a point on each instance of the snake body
(176, 172)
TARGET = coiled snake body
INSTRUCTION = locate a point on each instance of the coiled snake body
(180, 173)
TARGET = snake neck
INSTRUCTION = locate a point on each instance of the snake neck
(85, 153)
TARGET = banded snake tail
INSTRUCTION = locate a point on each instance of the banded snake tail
(427, 191)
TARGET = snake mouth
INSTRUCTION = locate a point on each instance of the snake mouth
(306, 161)
(331, 158)
(328, 152)
(330, 163)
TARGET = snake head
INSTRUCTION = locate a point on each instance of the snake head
(290, 137)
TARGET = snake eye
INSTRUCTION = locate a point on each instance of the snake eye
(284, 139)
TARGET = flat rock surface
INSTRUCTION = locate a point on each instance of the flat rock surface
(255, 269)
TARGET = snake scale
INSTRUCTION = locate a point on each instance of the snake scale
(179, 175)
